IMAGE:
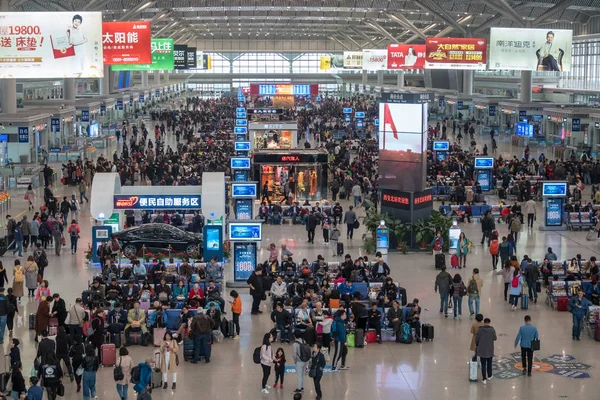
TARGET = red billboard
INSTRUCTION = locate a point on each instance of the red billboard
(455, 53)
(406, 56)
(127, 42)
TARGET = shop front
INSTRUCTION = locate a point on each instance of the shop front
(24, 131)
(569, 127)
(459, 106)
(303, 171)
(275, 135)
(88, 112)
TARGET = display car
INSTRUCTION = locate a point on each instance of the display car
(157, 238)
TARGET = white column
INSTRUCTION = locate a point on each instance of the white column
(156, 77)
(526, 83)
(166, 76)
(69, 94)
(365, 77)
(400, 79)
(379, 78)
(9, 86)
(468, 82)
(105, 82)
(144, 79)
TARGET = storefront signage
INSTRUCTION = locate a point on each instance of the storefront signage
(347, 111)
(245, 231)
(243, 190)
(531, 49)
(406, 56)
(374, 59)
(484, 163)
(244, 260)
(23, 134)
(409, 98)
(162, 58)
(492, 111)
(353, 59)
(455, 53)
(576, 124)
(283, 89)
(265, 111)
(266, 158)
(242, 146)
(41, 45)
(241, 122)
(180, 56)
(126, 42)
(359, 114)
(154, 202)
(120, 105)
(441, 146)
(459, 105)
(240, 163)
(85, 116)
(554, 189)
(55, 125)
(55, 149)
(240, 129)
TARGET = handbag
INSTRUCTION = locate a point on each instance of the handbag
(176, 359)
(26, 197)
(535, 344)
(60, 389)
(39, 278)
(118, 371)
(63, 241)
(356, 224)
(79, 371)
(19, 321)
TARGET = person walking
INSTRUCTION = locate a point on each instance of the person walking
(579, 308)
(126, 364)
(169, 350)
(51, 374)
(266, 358)
(301, 358)
(474, 292)
(316, 367)
(458, 291)
(507, 274)
(31, 275)
(74, 205)
(338, 333)
(82, 188)
(334, 238)
(90, 366)
(13, 309)
(57, 235)
(474, 329)
(516, 284)
(63, 344)
(443, 284)
(515, 227)
(350, 219)
(18, 238)
(532, 275)
(257, 290)
(76, 318)
(484, 341)
(30, 197)
(73, 232)
(357, 194)
(531, 212)
(311, 225)
(77, 352)
(494, 252)
(526, 335)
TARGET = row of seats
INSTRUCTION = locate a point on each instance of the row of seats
(579, 219)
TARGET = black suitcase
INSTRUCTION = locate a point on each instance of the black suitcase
(225, 327)
(403, 299)
(359, 338)
(427, 332)
(5, 376)
(3, 247)
(188, 349)
(538, 287)
(340, 249)
(32, 321)
(231, 328)
(115, 338)
(440, 261)
(134, 338)
(502, 193)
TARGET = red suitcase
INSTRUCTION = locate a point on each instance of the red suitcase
(371, 337)
(53, 327)
(561, 304)
(454, 261)
(109, 354)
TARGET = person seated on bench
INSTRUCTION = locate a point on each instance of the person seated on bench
(113, 290)
(163, 291)
(185, 317)
(130, 293)
(296, 293)
(395, 317)
(214, 314)
(317, 313)
(389, 291)
(283, 322)
(186, 270)
(96, 294)
(294, 211)
(311, 284)
(347, 267)
(278, 291)
(374, 321)
(263, 211)
(180, 292)
(346, 291)
(303, 316)
(146, 292)
(118, 316)
(139, 270)
(136, 321)
(413, 319)
(212, 269)
(196, 293)
(158, 272)
(381, 270)
(213, 294)
(593, 292)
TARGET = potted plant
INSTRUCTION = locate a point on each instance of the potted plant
(400, 230)
(369, 245)
(423, 233)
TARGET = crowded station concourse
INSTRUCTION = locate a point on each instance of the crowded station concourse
(338, 286)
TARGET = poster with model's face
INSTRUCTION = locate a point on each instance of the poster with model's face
(51, 45)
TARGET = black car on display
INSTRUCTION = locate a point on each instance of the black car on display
(157, 238)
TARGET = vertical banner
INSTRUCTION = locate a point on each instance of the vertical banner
(455, 53)
(127, 42)
(192, 62)
(325, 63)
(51, 45)
(162, 58)
(180, 56)
(406, 56)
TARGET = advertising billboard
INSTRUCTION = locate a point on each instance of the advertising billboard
(244, 260)
(554, 212)
(243, 190)
(374, 59)
(240, 163)
(441, 146)
(353, 59)
(51, 45)
(484, 162)
(332, 61)
(523, 129)
(554, 189)
(192, 58)
(162, 58)
(156, 202)
(406, 56)
(243, 208)
(126, 42)
(245, 231)
(180, 56)
(531, 49)
(455, 53)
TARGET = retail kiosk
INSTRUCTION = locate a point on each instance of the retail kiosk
(304, 170)
(483, 172)
(273, 135)
(554, 194)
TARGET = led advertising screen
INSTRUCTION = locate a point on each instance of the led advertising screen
(455, 53)
(243, 190)
(484, 177)
(374, 59)
(554, 212)
(242, 146)
(406, 56)
(162, 58)
(382, 238)
(484, 162)
(240, 129)
(531, 49)
(126, 42)
(212, 237)
(156, 202)
(240, 163)
(441, 146)
(240, 175)
(245, 231)
(244, 260)
(523, 129)
(554, 189)
(243, 208)
(51, 45)
(241, 122)
(180, 56)
(401, 146)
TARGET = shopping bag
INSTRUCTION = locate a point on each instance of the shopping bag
(20, 321)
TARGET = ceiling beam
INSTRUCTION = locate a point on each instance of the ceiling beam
(362, 35)
(505, 9)
(424, 30)
(441, 14)
(381, 29)
(449, 29)
(165, 28)
(339, 42)
(350, 39)
(561, 6)
(403, 21)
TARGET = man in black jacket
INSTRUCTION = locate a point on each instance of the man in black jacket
(283, 322)
(311, 225)
(59, 309)
(256, 290)
(487, 226)
(374, 320)
(45, 346)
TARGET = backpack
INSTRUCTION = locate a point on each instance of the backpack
(74, 231)
(404, 336)
(73, 205)
(305, 352)
(256, 355)
(40, 259)
(494, 247)
(516, 224)
(437, 245)
(135, 374)
(473, 289)
(118, 372)
(515, 281)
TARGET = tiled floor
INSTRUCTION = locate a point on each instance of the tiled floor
(432, 370)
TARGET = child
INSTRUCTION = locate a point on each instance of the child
(35, 392)
(279, 363)
(15, 353)
(18, 382)
(236, 311)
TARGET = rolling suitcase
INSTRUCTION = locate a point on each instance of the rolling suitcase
(562, 304)
(427, 332)
(5, 376)
(109, 354)
(188, 349)
(32, 321)
(224, 326)
(454, 261)
(156, 380)
(538, 286)
(473, 369)
(158, 335)
(340, 249)
(359, 338)
(524, 302)
(134, 337)
(53, 327)
(371, 337)
(440, 261)
(231, 328)
(403, 299)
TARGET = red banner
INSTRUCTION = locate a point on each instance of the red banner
(406, 56)
(127, 42)
(455, 53)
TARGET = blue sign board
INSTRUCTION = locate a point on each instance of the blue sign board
(484, 162)
(383, 238)
(240, 137)
(243, 208)
(318, 98)
(142, 98)
(240, 163)
(441, 146)
(459, 105)
(156, 202)
(240, 129)
(240, 175)
(244, 260)
(55, 125)
(347, 111)
(492, 111)
(376, 122)
(359, 114)
(103, 109)
(119, 104)
(85, 115)
(484, 177)
(522, 115)
(243, 190)
(241, 122)
(347, 118)
(554, 189)
(245, 231)
(523, 129)
(240, 109)
(212, 236)
(576, 124)
(441, 103)
(242, 146)
(23, 134)
(359, 124)
(241, 114)
(554, 211)
(55, 149)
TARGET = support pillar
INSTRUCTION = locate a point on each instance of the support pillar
(69, 94)
(144, 79)
(526, 83)
(400, 79)
(379, 78)
(105, 82)
(468, 82)
(156, 77)
(166, 76)
(365, 77)
(9, 86)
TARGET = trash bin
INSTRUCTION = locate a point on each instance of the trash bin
(24, 159)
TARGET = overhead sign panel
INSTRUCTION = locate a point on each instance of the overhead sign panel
(531, 49)
(180, 56)
(406, 56)
(374, 59)
(353, 59)
(192, 57)
(162, 58)
(51, 45)
(455, 53)
(126, 42)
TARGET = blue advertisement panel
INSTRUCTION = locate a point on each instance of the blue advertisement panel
(523, 129)
(240, 163)
(377, 122)
(441, 103)
(359, 124)
(243, 208)
(157, 202)
(484, 177)
(23, 134)
(441, 155)
(243, 190)
(240, 175)
(244, 260)
(120, 105)
(55, 125)
(492, 111)
(241, 122)
(212, 237)
(240, 137)
(142, 98)
(240, 114)
(245, 231)
(359, 114)
(242, 146)
(347, 111)
(554, 189)
(459, 105)
(347, 118)
(383, 238)
(441, 146)
(522, 115)
(85, 116)
(554, 212)
(484, 162)
(240, 129)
